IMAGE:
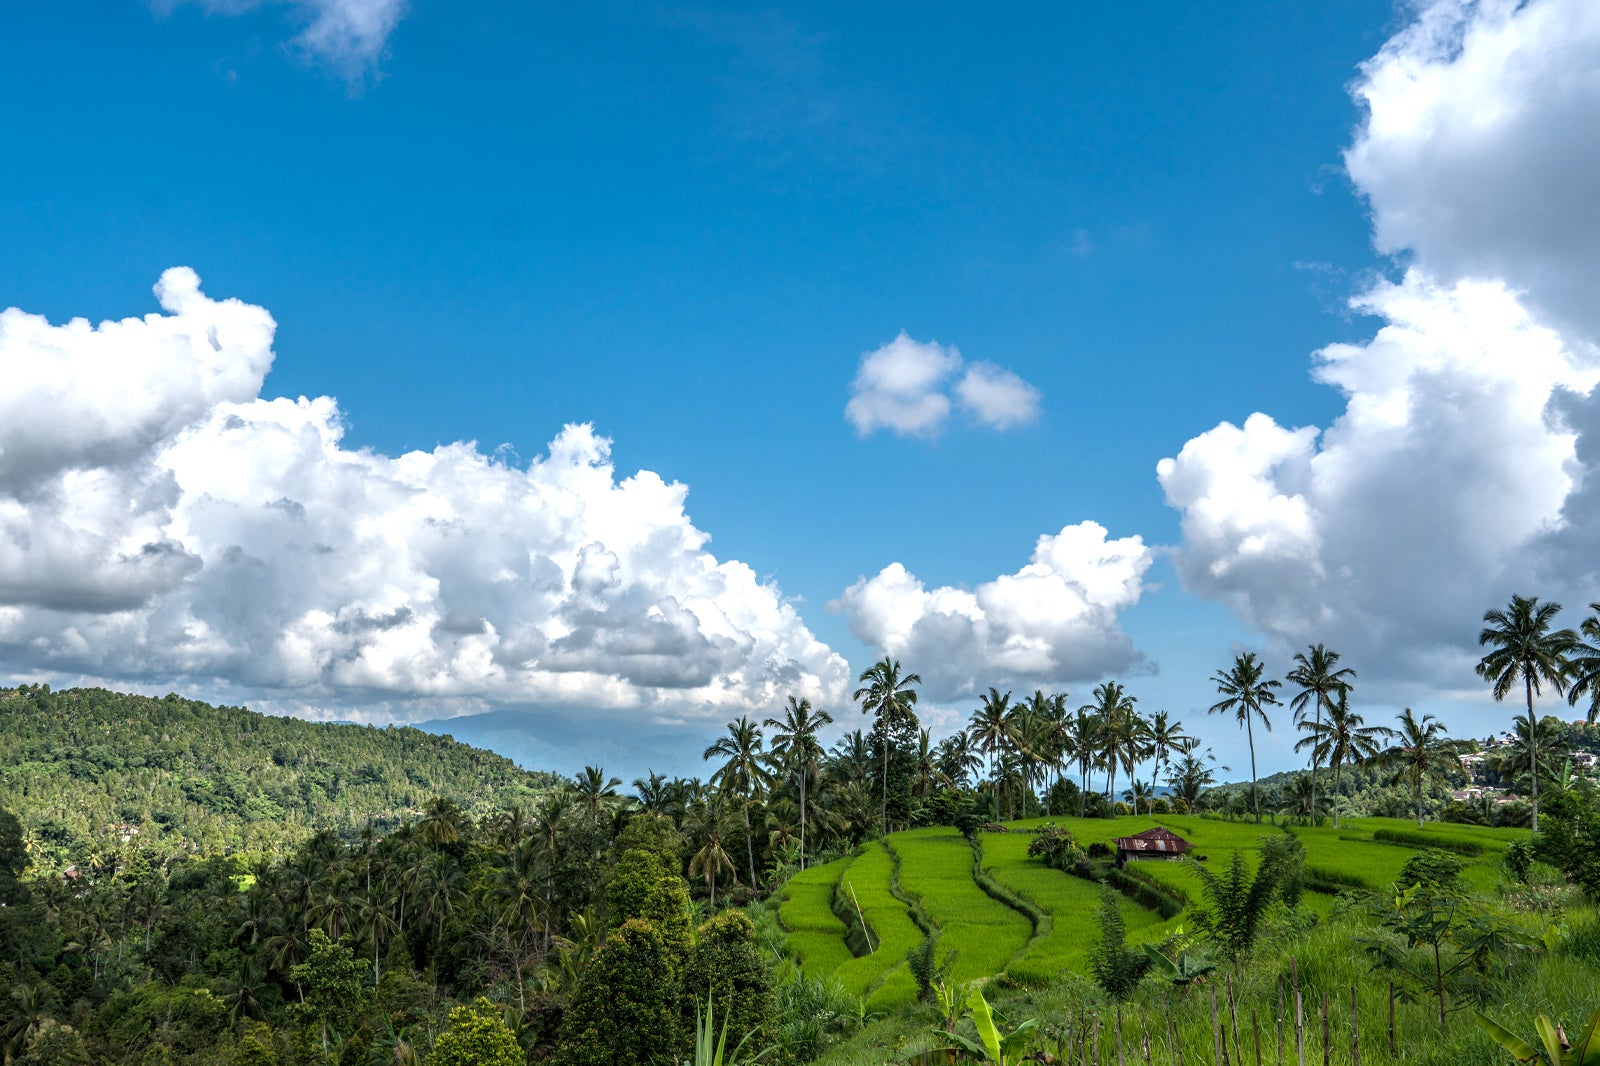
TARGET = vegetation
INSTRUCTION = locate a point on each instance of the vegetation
(413, 901)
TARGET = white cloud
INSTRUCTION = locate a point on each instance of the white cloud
(349, 35)
(167, 523)
(1053, 621)
(1459, 471)
(996, 397)
(905, 387)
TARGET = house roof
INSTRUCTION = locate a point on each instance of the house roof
(1157, 839)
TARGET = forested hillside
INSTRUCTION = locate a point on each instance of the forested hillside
(88, 770)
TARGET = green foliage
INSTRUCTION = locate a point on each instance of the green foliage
(627, 1004)
(1116, 969)
(1236, 903)
(1056, 846)
(928, 968)
(727, 966)
(1439, 944)
(1285, 854)
(332, 986)
(1558, 1050)
(1569, 838)
(1433, 867)
(1519, 859)
(476, 1036)
(83, 768)
(1412, 838)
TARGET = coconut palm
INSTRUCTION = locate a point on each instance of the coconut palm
(1318, 675)
(959, 758)
(1056, 732)
(1116, 729)
(741, 774)
(1247, 694)
(595, 793)
(1422, 752)
(1517, 761)
(712, 858)
(1191, 776)
(993, 729)
(1343, 737)
(1139, 792)
(1525, 649)
(891, 701)
(795, 744)
(1167, 736)
(1584, 664)
(1084, 737)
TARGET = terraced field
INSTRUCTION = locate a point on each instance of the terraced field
(1034, 922)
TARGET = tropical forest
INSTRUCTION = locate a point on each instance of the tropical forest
(1056, 882)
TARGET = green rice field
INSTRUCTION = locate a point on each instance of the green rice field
(1036, 922)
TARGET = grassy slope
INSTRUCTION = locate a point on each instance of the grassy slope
(816, 936)
(936, 867)
(992, 938)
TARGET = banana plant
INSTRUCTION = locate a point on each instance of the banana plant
(994, 1046)
(1181, 967)
(1557, 1049)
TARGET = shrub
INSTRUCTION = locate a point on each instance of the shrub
(727, 963)
(1056, 846)
(1287, 856)
(1431, 867)
(1160, 806)
(927, 968)
(1100, 850)
(1519, 859)
(477, 1036)
(1121, 809)
(1116, 969)
(627, 1006)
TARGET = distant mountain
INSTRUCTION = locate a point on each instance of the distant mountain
(88, 769)
(567, 741)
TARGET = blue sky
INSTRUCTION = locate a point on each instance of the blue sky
(688, 226)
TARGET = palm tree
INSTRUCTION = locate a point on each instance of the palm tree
(1318, 676)
(959, 758)
(1167, 736)
(926, 775)
(1247, 695)
(741, 774)
(1342, 737)
(1584, 664)
(891, 700)
(1526, 650)
(1191, 776)
(1423, 751)
(712, 858)
(1056, 734)
(1139, 791)
(794, 742)
(1116, 729)
(596, 793)
(993, 729)
(1517, 758)
(1084, 737)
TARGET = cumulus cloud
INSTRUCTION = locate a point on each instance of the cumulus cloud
(1460, 469)
(910, 388)
(167, 522)
(1052, 622)
(349, 35)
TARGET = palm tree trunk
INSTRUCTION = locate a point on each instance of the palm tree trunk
(1533, 750)
(802, 818)
(749, 844)
(1336, 783)
(1249, 734)
(1419, 800)
(1315, 759)
(885, 743)
(1083, 789)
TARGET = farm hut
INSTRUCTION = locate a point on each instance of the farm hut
(1157, 843)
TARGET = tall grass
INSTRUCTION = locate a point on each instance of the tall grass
(936, 868)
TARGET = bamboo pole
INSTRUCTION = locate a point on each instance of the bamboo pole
(1097, 1040)
(1355, 1030)
(1299, 1015)
(1216, 1028)
(1144, 1035)
(1255, 1027)
(1327, 1043)
(1119, 1035)
(1280, 1019)
(1233, 1017)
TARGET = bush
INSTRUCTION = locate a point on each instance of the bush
(1117, 970)
(1121, 809)
(1160, 806)
(1287, 856)
(1100, 850)
(1519, 859)
(477, 1036)
(1431, 867)
(1056, 846)
(727, 963)
(927, 968)
(627, 1006)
